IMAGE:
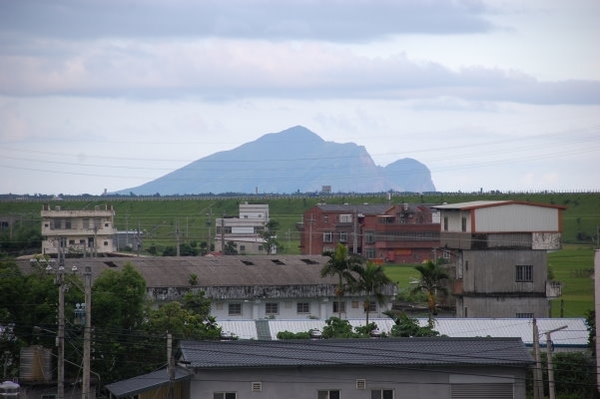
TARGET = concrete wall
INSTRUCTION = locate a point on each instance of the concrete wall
(501, 306)
(304, 382)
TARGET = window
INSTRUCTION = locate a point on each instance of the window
(382, 394)
(346, 218)
(225, 395)
(524, 273)
(372, 306)
(242, 248)
(343, 236)
(71, 242)
(330, 394)
(235, 309)
(524, 315)
(369, 237)
(446, 223)
(68, 224)
(339, 307)
(271, 308)
(463, 223)
(106, 243)
(327, 236)
(86, 223)
(303, 307)
(354, 304)
(369, 253)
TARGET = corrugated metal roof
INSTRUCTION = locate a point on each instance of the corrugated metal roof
(575, 335)
(488, 203)
(356, 352)
(145, 382)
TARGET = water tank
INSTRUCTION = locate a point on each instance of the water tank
(36, 364)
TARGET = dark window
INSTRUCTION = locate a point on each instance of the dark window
(372, 306)
(330, 394)
(303, 307)
(271, 308)
(225, 395)
(446, 223)
(235, 309)
(382, 394)
(524, 273)
(524, 315)
(463, 224)
(339, 307)
(327, 236)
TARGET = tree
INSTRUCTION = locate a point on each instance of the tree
(230, 248)
(269, 236)
(371, 280)
(405, 326)
(341, 264)
(118, 302)
(431, 279)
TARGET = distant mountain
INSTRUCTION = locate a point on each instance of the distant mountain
(294, 160)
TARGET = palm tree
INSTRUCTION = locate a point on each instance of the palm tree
(340, 264)
(432, 275)
(371, 280)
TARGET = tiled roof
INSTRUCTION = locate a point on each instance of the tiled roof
(355, 352)
(366, 209)
(230, 270)
(133, 386)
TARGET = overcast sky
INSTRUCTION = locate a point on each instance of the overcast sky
(110, 94)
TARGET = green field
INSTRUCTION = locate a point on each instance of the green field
(160, 218)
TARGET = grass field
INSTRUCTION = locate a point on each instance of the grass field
(572, 266)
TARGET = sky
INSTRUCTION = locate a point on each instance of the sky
(102, 95)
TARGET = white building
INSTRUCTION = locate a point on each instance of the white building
(245, 230)
(85, 232)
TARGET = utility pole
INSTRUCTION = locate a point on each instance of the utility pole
(170, 366)
(538, 383)
(87, 333)
(60, 374)
(310, 224)
(551, 389)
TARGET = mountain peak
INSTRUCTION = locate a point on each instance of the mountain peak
(293, 160)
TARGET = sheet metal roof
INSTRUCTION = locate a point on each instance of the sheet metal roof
(355, 352)
(575, 335)
(145, 382)
(489, 203)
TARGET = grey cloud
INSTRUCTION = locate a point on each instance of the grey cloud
(352, 20)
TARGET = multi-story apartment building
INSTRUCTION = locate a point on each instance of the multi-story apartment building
(87, 232)
(499, 255)
(244, 230)
(383, 232)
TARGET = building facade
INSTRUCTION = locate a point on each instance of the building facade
(386, 368)
(498, 255)
(87, 232)
(244, 287)
(400, 233)
(245, 230)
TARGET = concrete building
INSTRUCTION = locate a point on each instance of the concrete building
(400, 233)
(411, 368)
(86, 232)
(244, 230)
(243, 287)
(499, 256)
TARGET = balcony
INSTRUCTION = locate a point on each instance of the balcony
(553, 289)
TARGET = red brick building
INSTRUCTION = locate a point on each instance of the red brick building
(400, 233)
